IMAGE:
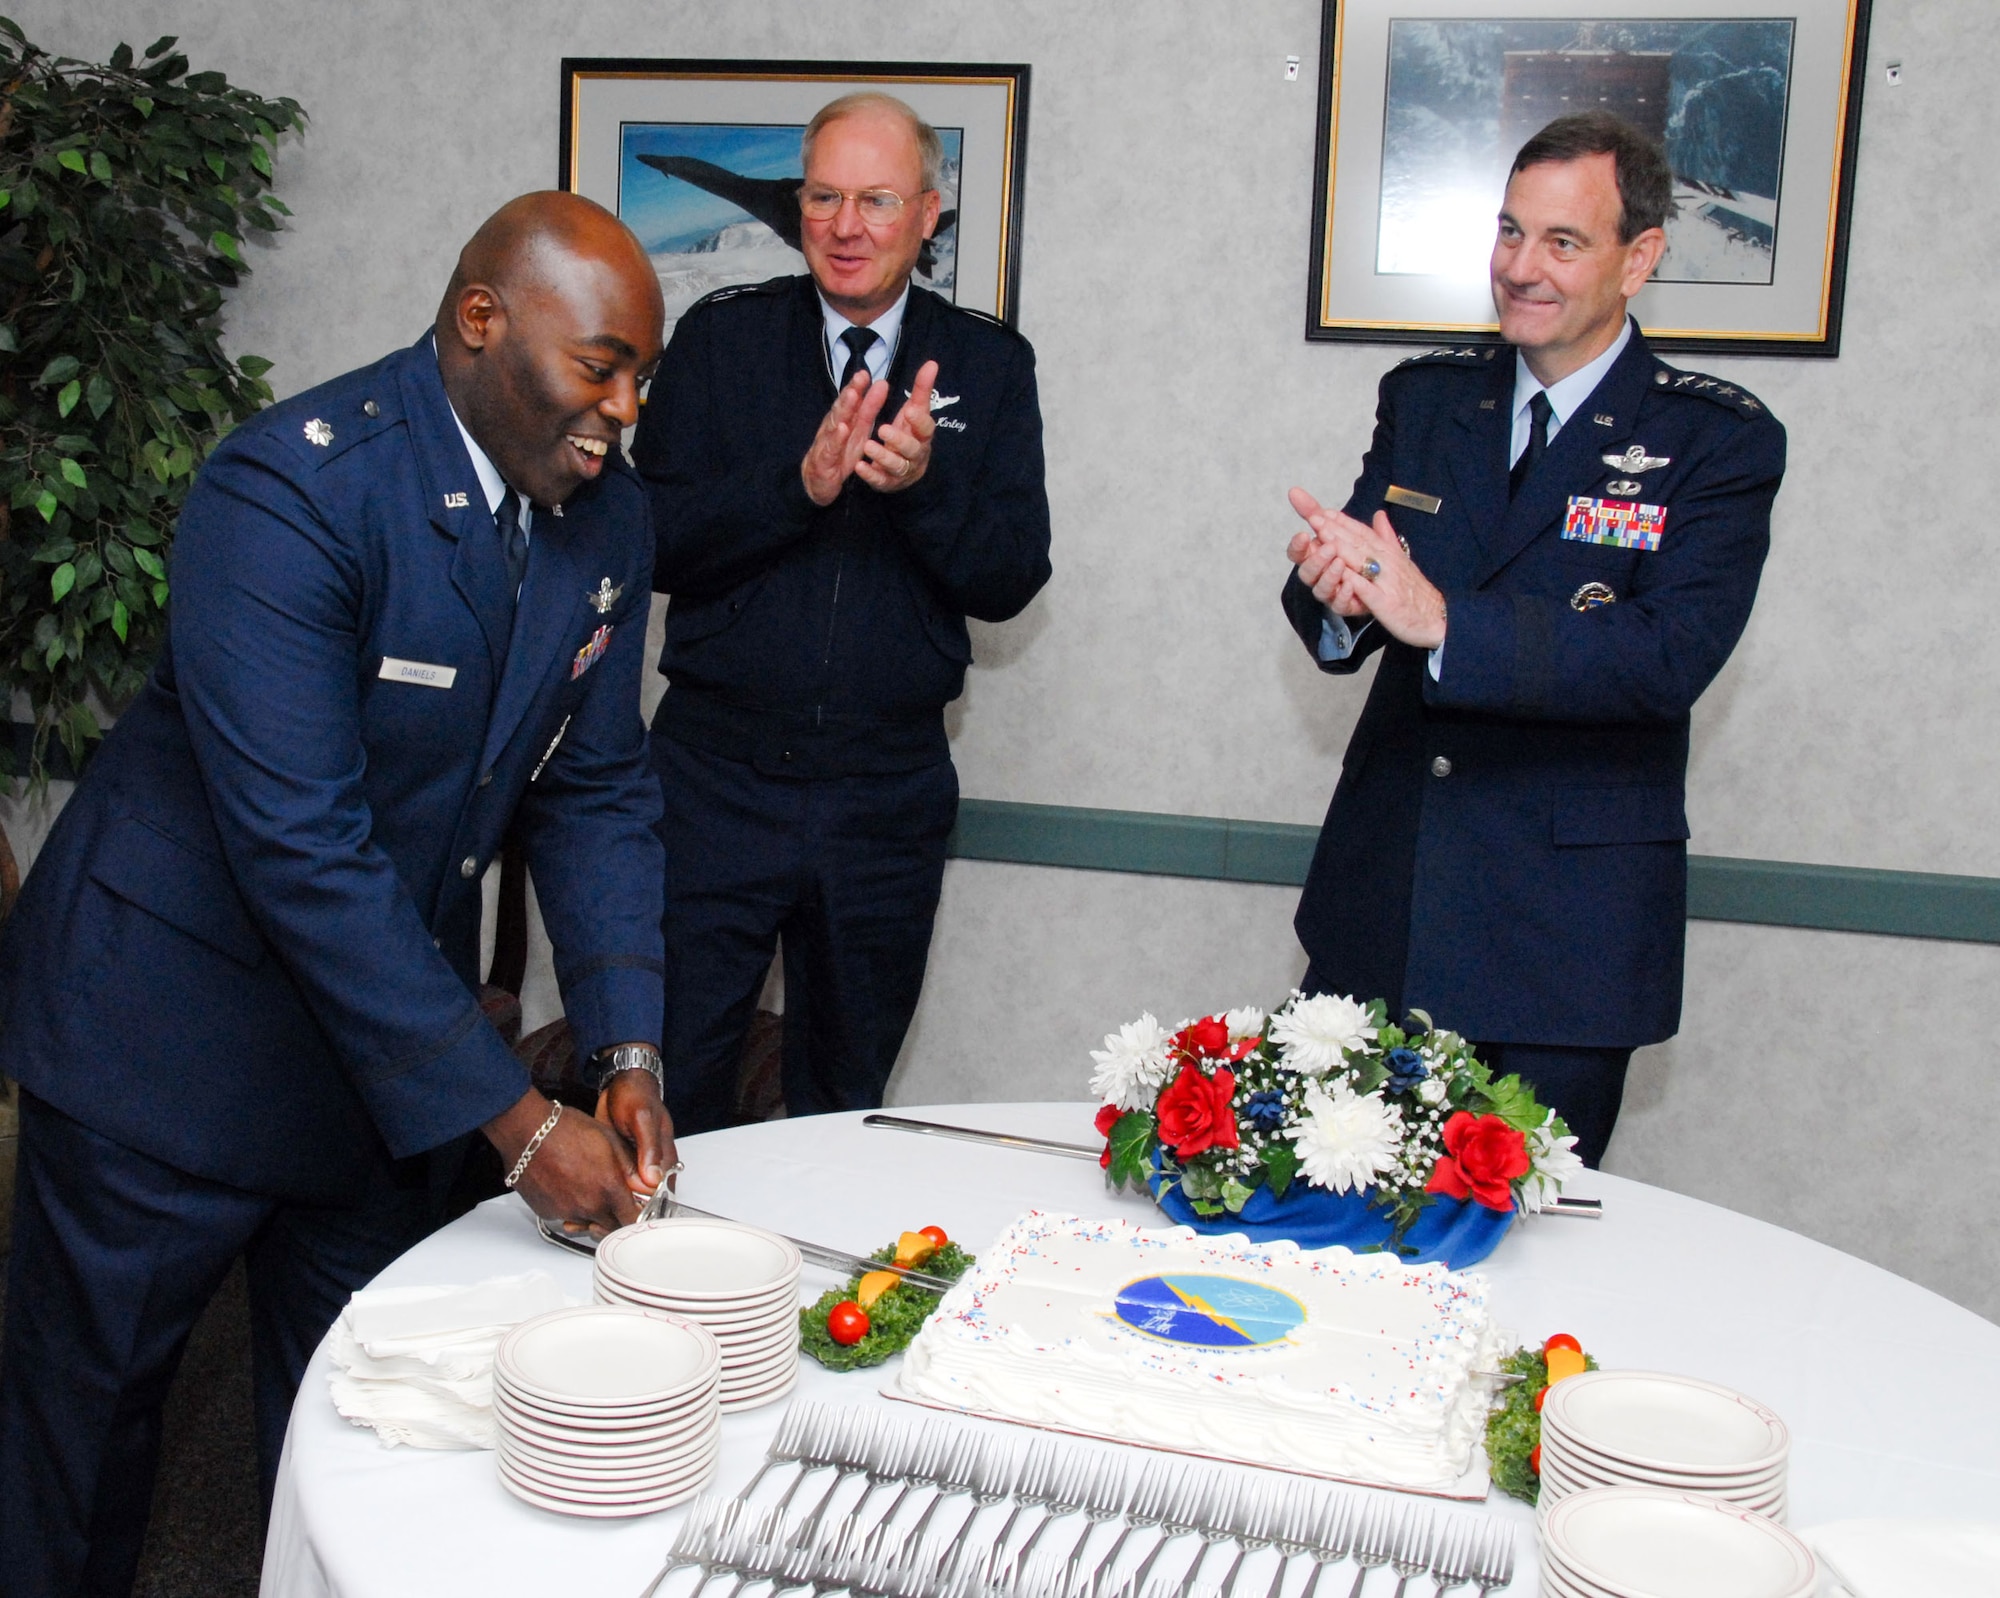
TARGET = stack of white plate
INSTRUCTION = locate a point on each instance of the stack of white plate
(1620, 1428)
(1649, 1542)
(606, 1410)
(740, 1282)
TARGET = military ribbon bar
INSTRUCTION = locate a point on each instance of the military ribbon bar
(1622, 523)
(587, 656)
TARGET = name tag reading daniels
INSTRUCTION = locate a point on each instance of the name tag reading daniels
(1427, 503)
(394, 670)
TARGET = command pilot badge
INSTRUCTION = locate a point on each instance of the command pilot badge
(1635, 460)
(605, 597)
(589, 655)
(1622, 523)
(317, 432)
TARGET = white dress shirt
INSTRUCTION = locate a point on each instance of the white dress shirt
(888, 328)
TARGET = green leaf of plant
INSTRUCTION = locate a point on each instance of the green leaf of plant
(217, 165)
(72, 391)
(121, 619)
(252, 365)
(121, 58)
(142, 105)
(161, 46)
(5, 196)
(1131, 1148)
(61, 581)
(74, 472)
(160, 595)
(73, 159)
(8, 342)
(149, 563)
(260, 158)
(59, 370)
(1281, 1164)
(100, 166)
(98, 394)
(225, 245)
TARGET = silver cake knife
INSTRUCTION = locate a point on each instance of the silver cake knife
(1583, 1209)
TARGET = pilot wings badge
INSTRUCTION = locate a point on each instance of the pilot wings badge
(1636, 460)
(940, 401)
(605, 596)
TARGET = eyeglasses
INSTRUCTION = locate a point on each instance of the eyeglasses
(879, 207)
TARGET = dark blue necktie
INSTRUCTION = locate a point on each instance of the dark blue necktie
(1539, 412)
(513, 542)
(859, 341)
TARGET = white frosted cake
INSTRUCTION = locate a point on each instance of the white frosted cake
(1344, 1364)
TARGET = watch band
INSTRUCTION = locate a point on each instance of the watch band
(631, 1057)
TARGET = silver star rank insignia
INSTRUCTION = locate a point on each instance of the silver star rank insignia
(317, 432)
(605, 597)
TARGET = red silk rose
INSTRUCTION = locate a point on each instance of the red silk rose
(1194, 1113)
(1483, 1156)
(1107, 1118)
(1208, 1039)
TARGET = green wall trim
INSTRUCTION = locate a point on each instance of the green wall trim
(1779, 893)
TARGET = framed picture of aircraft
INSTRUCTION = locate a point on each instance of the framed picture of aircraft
(701, 160)
(1423, 103)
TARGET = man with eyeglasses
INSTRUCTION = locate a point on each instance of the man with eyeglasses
(843, 468)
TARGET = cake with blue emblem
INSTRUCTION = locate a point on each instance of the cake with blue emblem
(1348, 1365)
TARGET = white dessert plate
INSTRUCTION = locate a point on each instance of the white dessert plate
(1667, 1422)
(1569, 1447)
(757, 1378)
(543, 1433)
(554, 1455)
(736, 1405)
(736, 1355)
(1574, 1479)
(677, 1416)
(769, 1301)
(601, 1508)
(566, 1484)
(600, 1357)
(700, 1260)
(561, 1467)
(1647, 1540)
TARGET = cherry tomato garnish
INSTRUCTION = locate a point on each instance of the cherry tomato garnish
(1535, 1459)
(935, 1234)
(847, 1323)
(1563, 1340)
(1541, 1398)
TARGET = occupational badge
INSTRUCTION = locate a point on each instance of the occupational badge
(1636, 460)
(940, 401)
(1624, 488)
(1590, 596)
(317, 432)
(605, 596)
(589, 654)
(1621, 523)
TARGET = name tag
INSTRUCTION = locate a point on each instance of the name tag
(394, 670)
(1621, 523)
(1427, 503)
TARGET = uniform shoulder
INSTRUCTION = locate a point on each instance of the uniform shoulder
(1462, 357)
(979, 324)
(322, 423)
(1699, 385)
(745, 295)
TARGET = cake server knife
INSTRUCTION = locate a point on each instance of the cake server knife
(1584, 1209)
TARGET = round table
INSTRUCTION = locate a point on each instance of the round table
(1888, 1389)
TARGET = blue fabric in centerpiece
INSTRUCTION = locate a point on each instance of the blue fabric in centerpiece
(1458, 1232)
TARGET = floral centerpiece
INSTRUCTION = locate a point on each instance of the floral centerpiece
(1325, 1123)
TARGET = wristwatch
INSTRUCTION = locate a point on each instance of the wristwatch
(630, 1057)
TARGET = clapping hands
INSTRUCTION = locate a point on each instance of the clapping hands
(1361, 569)
(847, 444)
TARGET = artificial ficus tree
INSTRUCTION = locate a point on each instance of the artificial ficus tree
(127, 189)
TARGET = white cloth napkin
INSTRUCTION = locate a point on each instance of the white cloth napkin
(415, 1364)
(1909, 1558)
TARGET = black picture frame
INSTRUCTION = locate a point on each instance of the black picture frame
(1797, 313)
(770, 95)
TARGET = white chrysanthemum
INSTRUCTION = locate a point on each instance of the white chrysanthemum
(1346, 1140)
(1132, 1065)
(1247, 1022)
(1312, 1032)
(1554, 1160)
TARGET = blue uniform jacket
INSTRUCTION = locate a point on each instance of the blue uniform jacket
(1506, 848)
(826, 641)
(250, 947)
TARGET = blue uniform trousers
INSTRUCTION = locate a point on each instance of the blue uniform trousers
(847, 870)
(115, 1255)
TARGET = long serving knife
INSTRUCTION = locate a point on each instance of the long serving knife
(1583, 1209)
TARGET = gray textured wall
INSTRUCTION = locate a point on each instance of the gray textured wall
(1831, 1083)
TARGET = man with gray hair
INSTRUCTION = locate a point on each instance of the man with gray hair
(843, 467)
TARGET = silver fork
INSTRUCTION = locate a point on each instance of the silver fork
(784, 1450)
(1416, 1537)
(920, 1467)
(1452, 1565)
(1103, 1499)
(1255, 1527)
(1159, 1483)
(954, 1477)
(1372, 1544)
(1032, 1484)
(1291, 1530)
(1333, 1538)
(1494, 1563)
(848, 1454)
(1215, 1529)
(1065, 1499)
(1192, 1506)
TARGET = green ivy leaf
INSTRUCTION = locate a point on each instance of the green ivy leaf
(73, 473)
(72, 391)
(144, 107)
(1281, 1164)
(100, 166)
(59, 370)
(225, 245)
(73, 159)
(252, 365)
(61, 581)
(98, 394)
(121, 619)
(5, 196)
(149, 563)
(8, 342)
(260, 158)
(160, 595)
(161, 46)
(217, 165)
(1131, 1149)
(45, 502)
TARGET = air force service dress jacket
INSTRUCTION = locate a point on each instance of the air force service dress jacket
(826, 641)
(250, 947)
(1506, 848)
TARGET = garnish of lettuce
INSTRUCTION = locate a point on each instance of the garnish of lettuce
(1513, 1428)
(893, 1319)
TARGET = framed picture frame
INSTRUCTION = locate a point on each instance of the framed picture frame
(1423, 103)
(701, 159)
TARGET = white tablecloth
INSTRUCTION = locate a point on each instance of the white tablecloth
(1892, 1393)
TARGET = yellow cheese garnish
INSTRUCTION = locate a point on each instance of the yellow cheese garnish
(1564, 1362)
(913, 1248)
(873, 1286)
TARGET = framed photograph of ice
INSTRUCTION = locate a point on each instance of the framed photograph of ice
(701, 160)
(1423, 104)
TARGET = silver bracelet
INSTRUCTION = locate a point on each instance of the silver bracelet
(534, 1143)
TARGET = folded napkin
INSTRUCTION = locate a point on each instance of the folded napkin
(415, 1364)
(1909, 1558)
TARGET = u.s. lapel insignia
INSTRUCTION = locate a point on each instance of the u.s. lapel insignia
(454, 502)
(1604, 419)
(1624, 488)
(1621, 523)
(317, 432)
(589, 654)
(1636, 460)
(1590, 596)
(605, 597)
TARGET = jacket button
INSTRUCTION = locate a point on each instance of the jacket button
(787, 755)
(486, 780)
(469, 867)
(437, 943)
(1440, 767)
(370, 408)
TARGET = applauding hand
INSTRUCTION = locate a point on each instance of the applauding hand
(843, 433)
(898, 455)
(1355, 568)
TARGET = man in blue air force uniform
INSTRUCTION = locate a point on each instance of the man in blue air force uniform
(239, 988)
(1554, 549)
(821, 571)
